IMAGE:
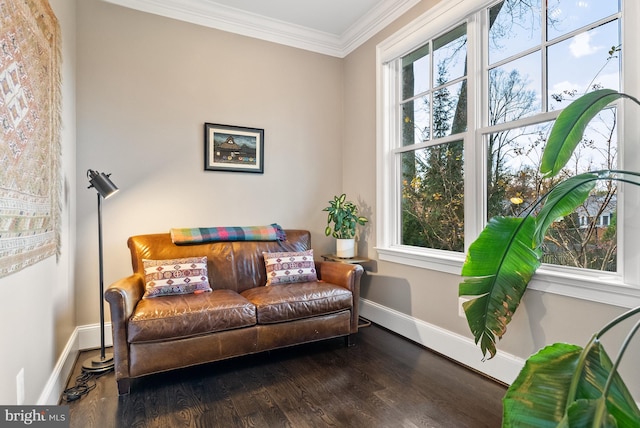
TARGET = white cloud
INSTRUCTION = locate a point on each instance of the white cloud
(581, 46)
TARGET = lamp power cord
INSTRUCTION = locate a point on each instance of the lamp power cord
(85, 383)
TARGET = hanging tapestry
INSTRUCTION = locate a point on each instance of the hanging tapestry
(30, 205)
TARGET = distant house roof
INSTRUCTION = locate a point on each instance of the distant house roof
(593, 206)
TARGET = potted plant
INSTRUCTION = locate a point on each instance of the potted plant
(341, 224)
(562, 384)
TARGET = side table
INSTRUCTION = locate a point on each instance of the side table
(351, 260)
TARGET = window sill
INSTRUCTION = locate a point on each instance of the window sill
(441, 261)
(603, 288)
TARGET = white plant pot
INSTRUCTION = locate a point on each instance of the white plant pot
(346, 248)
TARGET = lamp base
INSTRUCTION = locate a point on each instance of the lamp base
(98, 364)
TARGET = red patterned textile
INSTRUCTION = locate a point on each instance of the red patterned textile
(30, 178)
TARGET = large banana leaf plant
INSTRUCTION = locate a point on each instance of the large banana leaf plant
(562, 385)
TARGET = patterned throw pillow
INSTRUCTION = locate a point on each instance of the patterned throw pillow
(176, 276)
(287, 268)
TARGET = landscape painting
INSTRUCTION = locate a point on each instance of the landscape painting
(233, 148)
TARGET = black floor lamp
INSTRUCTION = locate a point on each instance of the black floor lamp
(105, 188)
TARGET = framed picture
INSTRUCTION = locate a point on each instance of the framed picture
(233, 148)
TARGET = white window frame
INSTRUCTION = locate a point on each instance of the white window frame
(621, 288)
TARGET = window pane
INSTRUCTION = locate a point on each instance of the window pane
(514, 89)
(565, 16)
(416, 72)
(512, 169)
(433, 197)
(594, 64)
(450, 110)
(416, 121)
(449, 100)
(514, 28)
(582, 239)
(450, 55)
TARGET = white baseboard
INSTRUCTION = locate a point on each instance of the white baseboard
(503, 367)
(89, 336)
(57, 382)
(82, 338)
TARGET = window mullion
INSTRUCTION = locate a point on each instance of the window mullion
(431, 83)
(474, 169)
(629, 155)
(394, 160)
(543, 64)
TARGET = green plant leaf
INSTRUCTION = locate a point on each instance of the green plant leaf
(563, 200)
(503, 259)
(583, 413)
(539, 397)
(592, 379)
(344, 216)
(569, 127)
(561, 385)
(498, 267)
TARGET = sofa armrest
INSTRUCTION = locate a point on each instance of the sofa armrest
(123, 296)
(342, 274)
(347, 276)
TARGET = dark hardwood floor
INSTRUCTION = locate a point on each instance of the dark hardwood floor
(383, 381)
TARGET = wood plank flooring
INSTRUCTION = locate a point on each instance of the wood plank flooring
(383, 381)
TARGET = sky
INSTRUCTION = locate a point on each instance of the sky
(574, 62)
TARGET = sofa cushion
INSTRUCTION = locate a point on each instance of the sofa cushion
(175, 276)
(290, 267)
(188, 315)
(295, 301)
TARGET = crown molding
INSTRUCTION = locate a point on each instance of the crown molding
(237, 21)
(374, 21)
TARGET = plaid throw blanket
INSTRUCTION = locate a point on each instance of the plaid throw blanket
(195, 235)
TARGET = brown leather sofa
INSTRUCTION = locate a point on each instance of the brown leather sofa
(240, 316)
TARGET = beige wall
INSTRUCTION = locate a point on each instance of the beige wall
(37, 314)
(147, 85)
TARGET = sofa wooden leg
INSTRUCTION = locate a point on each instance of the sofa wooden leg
(350, 340)
(124, 386)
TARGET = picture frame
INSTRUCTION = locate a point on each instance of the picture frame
(233, 148)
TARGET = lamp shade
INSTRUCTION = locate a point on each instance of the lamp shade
(102, 183)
